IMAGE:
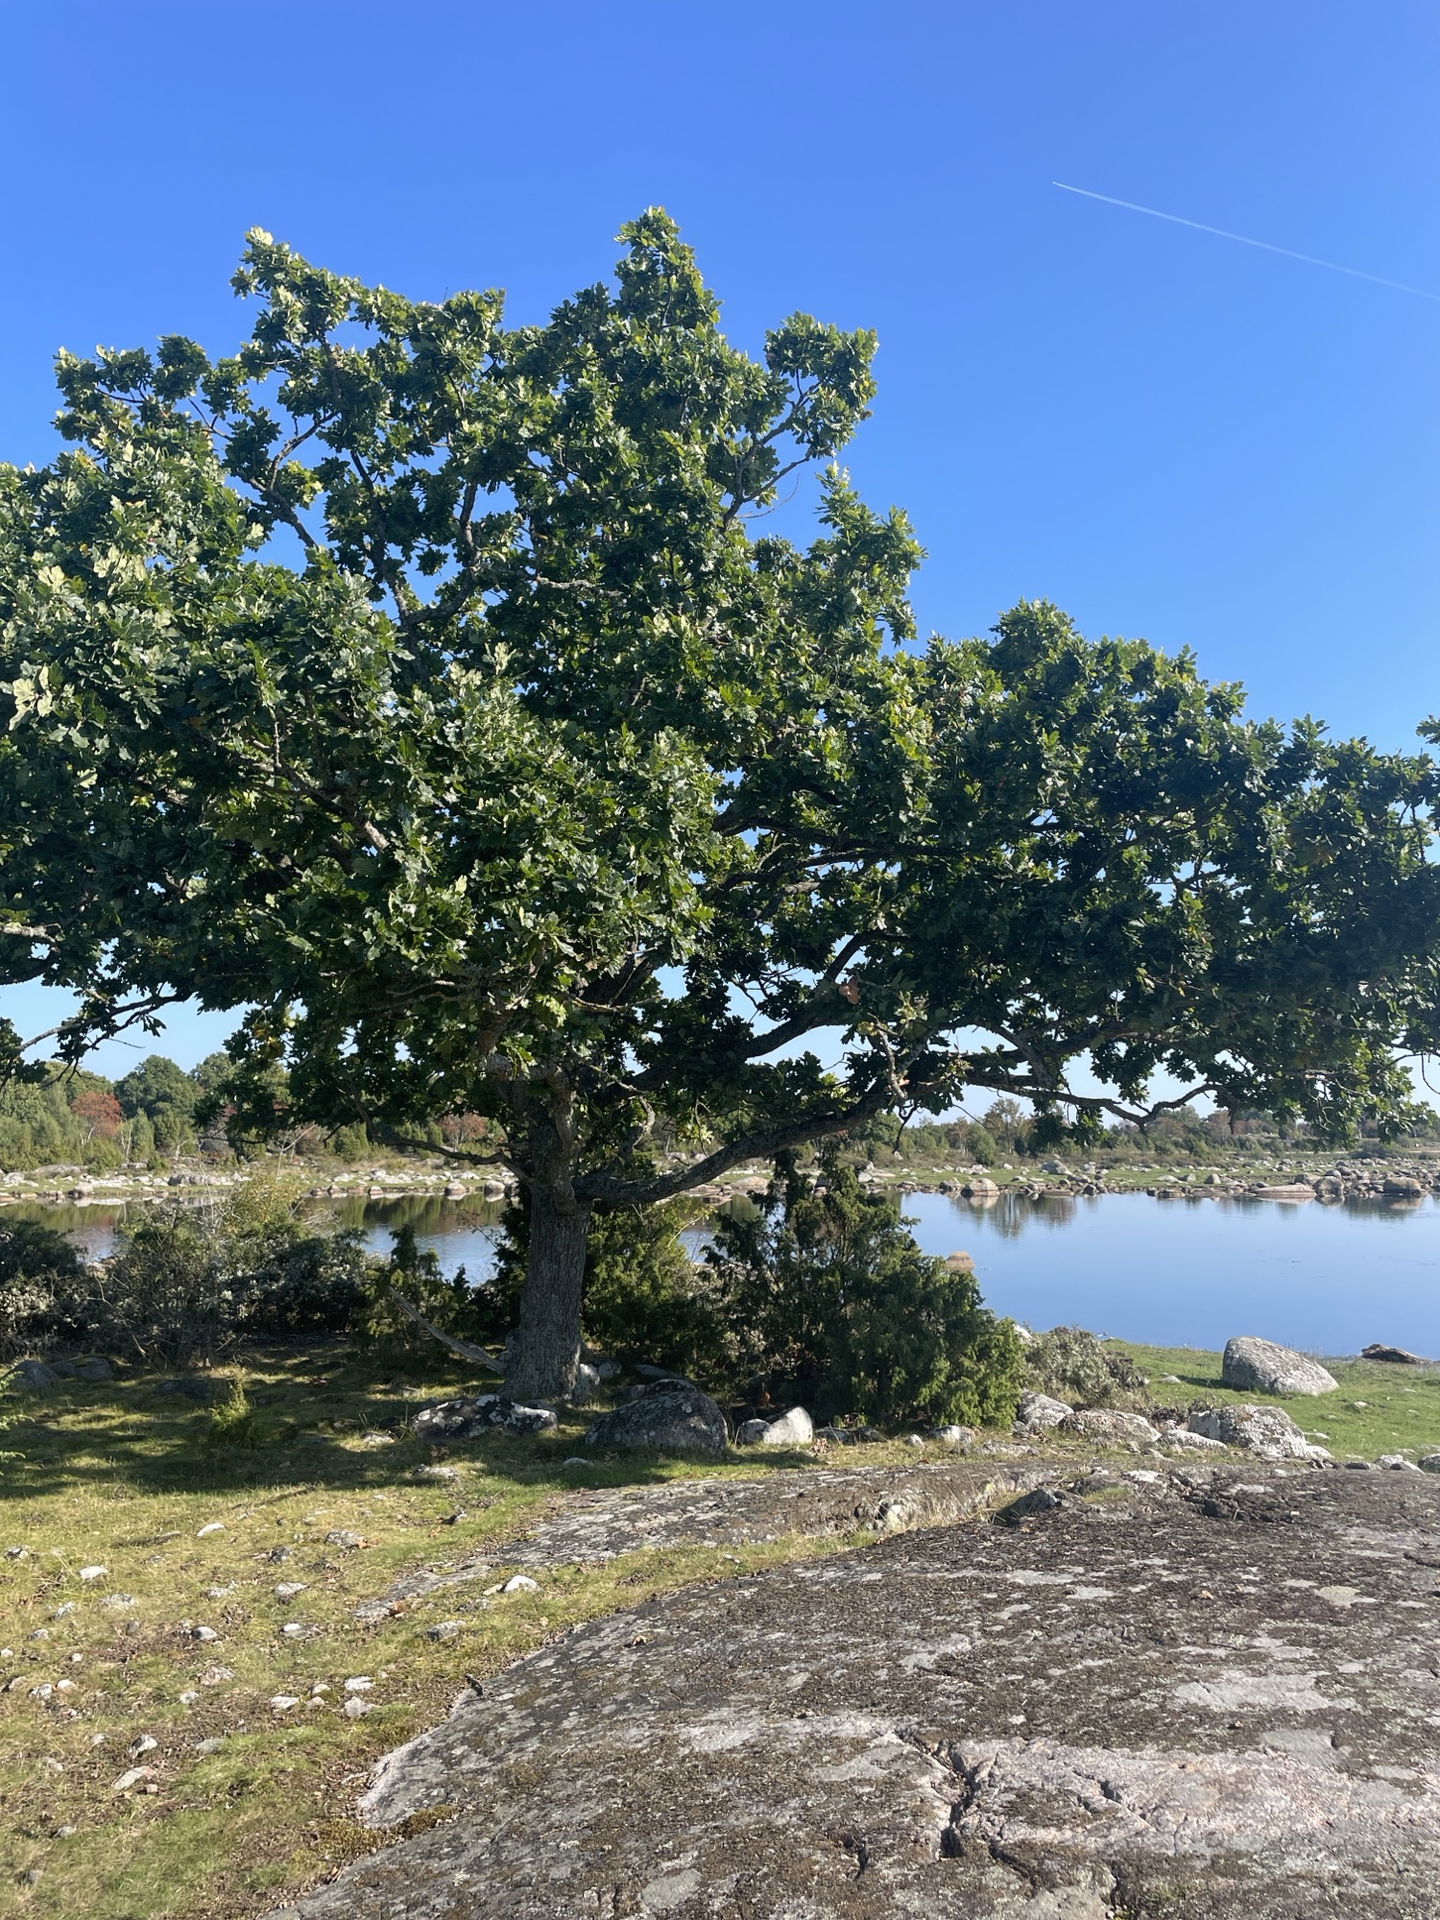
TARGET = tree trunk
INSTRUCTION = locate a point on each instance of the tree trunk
(546, 1350)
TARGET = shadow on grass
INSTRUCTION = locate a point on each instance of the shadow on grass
(312, 1405)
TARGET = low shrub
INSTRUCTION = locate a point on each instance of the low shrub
(826, 1299)
(44, 1290)
(189, 1281)
(1072, 1365)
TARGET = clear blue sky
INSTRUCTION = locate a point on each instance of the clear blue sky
(1170, 434)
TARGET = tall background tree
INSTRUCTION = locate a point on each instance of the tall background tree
(442, 693)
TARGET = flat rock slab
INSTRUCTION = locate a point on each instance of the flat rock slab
(821, 1503)
(1212, 1694)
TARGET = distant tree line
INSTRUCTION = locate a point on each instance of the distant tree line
(159, 1112)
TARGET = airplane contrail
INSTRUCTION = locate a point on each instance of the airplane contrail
(1220, 233)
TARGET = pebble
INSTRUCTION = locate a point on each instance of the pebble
(132, 1777)
(356, 1708)
(203, 1633)
(212, 1745)
(282, 1702)
(359, 1683)
(211, 1526)
(17, 1553)
(442, 1473)
(298, 1630)
(1397, 1463)
(93, 1573)
(288, 1589)
(219, 1593)
(142, 1743)
(447, 1629)
(913, 1440)
(216, 1676)
(189, 1697)
(64, 1833)
(520, 1583)
(117, 1602)
(60, 1612)
(343, 1537)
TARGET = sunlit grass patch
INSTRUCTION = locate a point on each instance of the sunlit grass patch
(218, 1527)
(1379, 1408)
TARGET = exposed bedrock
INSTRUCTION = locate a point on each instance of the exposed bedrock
(1213, 1693)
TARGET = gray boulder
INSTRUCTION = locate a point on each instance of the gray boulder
(35, 1375)
(1108, 1423)
(669, 1416)
(1268, 1432)
(94, 1367)
(587, 1384)
(1429, 1463)
(1260, 1366)
(792, 1429)
(467, 1418)
(1397, 1356)
(1038, 1411)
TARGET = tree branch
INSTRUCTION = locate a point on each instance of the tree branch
(465, 1348)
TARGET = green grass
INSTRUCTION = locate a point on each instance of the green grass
(1401, 1413)
(122, 1477)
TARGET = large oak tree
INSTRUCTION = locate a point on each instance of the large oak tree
(442, 693)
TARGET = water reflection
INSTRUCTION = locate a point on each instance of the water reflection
(1326, 1278)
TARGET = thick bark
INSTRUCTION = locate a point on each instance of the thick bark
(546, 1350)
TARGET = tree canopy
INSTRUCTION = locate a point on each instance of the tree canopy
(443, 693)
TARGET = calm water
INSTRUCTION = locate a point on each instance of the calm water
(1169, 1272)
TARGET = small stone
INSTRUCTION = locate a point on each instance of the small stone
(1397, 1463)
(359, 1683)
(377, 1439)
(288, 1589)
(283, 1702)
(216, 1676)
(444, 1630)
(93, 1573)
(132, 1778)
(211, 1745)
(298, 1630)
(211, 1526)
(203, 1633)
(1108, 1423)
(913, 1440)
(189, 1697)
(575, 1461)
(1429, 1463)
(355, 1708)
(61, 1611)
(219, 1593)
(518, 1583)
(1037, 1411)
(343, 1537)
(17, 1553)
(437, 1473)
(142, 1743)
(64, 1833)
(117, 1602)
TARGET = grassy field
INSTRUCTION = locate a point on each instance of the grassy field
(243, 1533)
(247, 1801)
(1379, 1408)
